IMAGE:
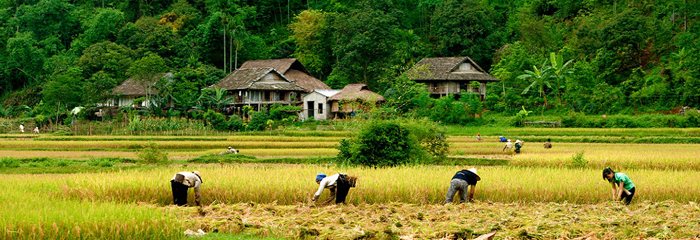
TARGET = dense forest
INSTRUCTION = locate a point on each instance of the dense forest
(607, 56)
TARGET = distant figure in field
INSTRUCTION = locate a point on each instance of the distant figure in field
(339, 185)
(548, 143)
(36, 130)
(518, 145)
(460, 182)
(231, 150)
(21, 128)
(478, 137)
(502, 139)
(509, 145)
(622, 186)
(181, 182)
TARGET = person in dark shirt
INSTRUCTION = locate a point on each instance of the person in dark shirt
(460, 182)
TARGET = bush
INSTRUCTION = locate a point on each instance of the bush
(152, 154)
(235, 123)
(382, 144)
(577, 161)
(215, 120)
(62, 133)
(258, 121)
(9, 162)
(279, 112)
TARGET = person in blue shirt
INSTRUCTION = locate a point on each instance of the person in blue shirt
(622, 186)
(460, 182)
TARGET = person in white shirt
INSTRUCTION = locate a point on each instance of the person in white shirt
(21, 128)
(509, 145)
(339, 185)
(36, 130)
(181, 182)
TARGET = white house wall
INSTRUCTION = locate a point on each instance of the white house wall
(317, 98)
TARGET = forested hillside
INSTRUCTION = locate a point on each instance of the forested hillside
(627, 55)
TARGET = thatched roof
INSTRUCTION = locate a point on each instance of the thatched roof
(353, 92)
(290, 68)
(443, 69)
(250, 79)
(281, 65)
(306, 81)
(131, 87)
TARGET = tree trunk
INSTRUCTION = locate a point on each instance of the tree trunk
(225, 49)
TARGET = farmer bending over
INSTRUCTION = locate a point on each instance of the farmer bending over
(622, 185)
(509, 145)
(548, 143)
(181, 182)
(518, 145)
(460, 182)
(339, 185)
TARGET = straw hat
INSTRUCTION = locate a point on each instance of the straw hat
(473, 170)
(197, 173)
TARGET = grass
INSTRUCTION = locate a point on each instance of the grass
(292, 184)
(244, 202)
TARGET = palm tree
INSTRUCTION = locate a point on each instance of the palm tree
(540, 78)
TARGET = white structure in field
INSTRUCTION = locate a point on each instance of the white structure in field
(316, 104)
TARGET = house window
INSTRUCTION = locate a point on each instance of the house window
(275, 96)
(255, 96)
(465, 67)
(320, 108)
(267, 96)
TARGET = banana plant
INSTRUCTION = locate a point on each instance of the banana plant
(539, 78)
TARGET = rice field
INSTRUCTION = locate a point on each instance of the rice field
(537, 194)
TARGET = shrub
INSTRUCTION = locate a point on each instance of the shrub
(278, 112)
(577, 161)
(381, 144)
(62, 133)
(235, 123)
(9, 162)
(152, 154)
(258, 121)
(215, 120)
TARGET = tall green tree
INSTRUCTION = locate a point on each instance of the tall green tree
(147, 71)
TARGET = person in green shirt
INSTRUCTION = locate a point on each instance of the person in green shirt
(622, 185)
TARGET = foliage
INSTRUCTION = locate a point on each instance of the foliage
(258, 121)
(577, 161)
(152, 154)
(222, 158)
(381, 144)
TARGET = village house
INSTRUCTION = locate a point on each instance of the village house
(292, 69)
(316, 104)
(260, 87)
(352, 99)
(131, 89)
(451, 75)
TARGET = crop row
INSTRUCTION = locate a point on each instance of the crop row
(291, 184)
